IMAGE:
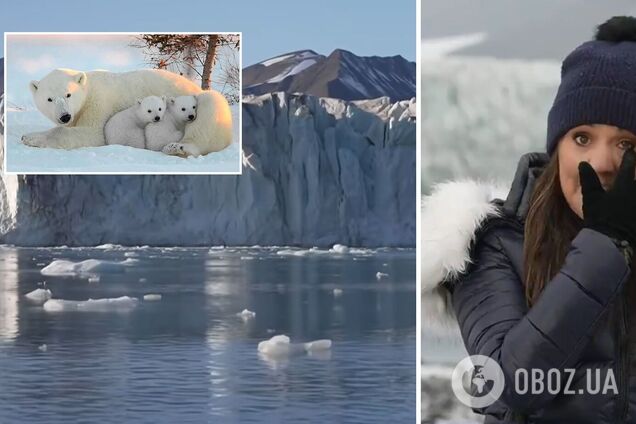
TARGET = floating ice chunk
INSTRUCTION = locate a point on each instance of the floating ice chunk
(142, 280)
(39, 296)
(43, 347)
(281, 346)
(89, 266)
(318, 345)
(278, 345)
(343, 250)
(152, 297)
(130, 254)
(339, 248)
(337, 292)
(291, 252)
(123, 303)
(246, 314)
(381, 275)
(94, 279)
(108, 246)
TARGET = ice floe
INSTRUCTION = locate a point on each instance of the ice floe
(39, 296)
(123, 303)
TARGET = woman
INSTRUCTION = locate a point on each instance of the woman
(546, 282)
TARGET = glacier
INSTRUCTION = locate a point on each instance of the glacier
(316, 172)
(480, 114)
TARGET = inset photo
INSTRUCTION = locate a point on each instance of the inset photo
(122, 103)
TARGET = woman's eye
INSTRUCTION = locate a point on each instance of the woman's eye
(581, 139)
(194, 107)
(149, 111)
(50, 99)
(183, 109)
(626, 144)
(159, 109)
(68, 95)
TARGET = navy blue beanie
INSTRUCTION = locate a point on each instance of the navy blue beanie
(598, 82)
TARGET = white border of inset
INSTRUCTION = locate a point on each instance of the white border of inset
(418, 210)
(240, 105)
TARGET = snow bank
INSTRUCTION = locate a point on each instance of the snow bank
(22, 158)
(123, 303)
(89, 266)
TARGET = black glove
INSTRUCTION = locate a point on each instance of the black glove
(611, 212)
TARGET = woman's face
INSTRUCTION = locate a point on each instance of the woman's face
(600, 145)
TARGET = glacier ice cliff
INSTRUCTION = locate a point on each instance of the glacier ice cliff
(479, 115)
(316, 172)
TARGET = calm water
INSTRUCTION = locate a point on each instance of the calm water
(190, 358)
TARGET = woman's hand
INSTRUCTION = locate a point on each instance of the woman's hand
(611, 212)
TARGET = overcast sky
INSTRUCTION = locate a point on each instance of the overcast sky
(529, 29)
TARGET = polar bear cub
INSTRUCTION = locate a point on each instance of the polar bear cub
(127, 127)
(170, 129)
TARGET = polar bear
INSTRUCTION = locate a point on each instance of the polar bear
(127, 127)
(170, 129)
(80, 103)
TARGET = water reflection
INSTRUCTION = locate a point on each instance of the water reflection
(8, 295)
(190, 358)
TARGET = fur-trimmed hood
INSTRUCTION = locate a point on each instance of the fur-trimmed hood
(451, 218)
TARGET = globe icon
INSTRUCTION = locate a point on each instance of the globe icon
(480, 384)
(477, 381)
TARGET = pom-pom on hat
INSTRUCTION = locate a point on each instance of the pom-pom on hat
(598, 82)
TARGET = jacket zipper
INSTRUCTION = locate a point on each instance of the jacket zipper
(623, 372)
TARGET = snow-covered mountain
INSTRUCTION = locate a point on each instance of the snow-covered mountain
(277, 73)
(316, 172)
(341, 75)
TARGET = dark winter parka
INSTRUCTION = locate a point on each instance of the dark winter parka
(581, 320)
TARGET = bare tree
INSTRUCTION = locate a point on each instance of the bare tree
(208, 63)
(228, 79)
(189, 54)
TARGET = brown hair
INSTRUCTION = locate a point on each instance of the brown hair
(549, 229)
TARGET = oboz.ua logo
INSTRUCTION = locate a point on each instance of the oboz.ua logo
(477, 381)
